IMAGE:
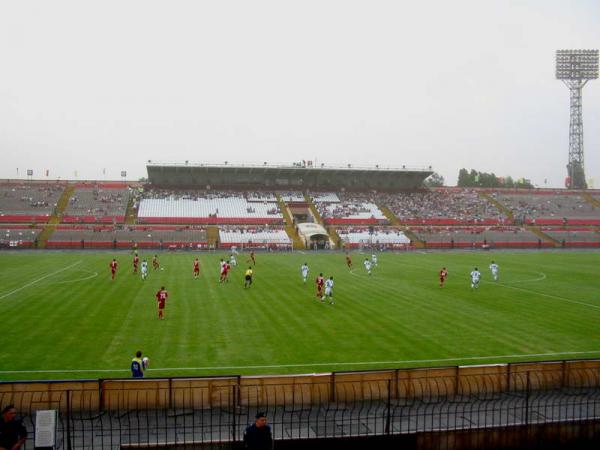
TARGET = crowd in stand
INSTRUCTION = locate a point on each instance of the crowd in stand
(462, 206)
(355, 205)
(98, 202)
(530, 207)
(30, 197)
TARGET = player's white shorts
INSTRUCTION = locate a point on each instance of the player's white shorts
(304, 274)
(328, 292)
(144, 271)
(475, 280)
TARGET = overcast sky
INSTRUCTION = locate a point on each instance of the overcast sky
(86, 87)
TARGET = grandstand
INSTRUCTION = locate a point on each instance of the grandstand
(264, 205)
(96, 205)
(26, 202)
(128, 236)
(550, 207)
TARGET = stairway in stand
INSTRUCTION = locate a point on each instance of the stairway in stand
(507, 212)
(591, 200)
(130, 212)
(543, 236)
(414, 240)
(56, 216)
(290, 229)
(212, 236)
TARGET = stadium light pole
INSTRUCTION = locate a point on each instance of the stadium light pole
(575, 68)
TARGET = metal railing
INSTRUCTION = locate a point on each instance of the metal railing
(159, 412)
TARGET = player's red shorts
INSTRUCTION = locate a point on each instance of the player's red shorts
(161, 304)
(196, 270)
(319, 291)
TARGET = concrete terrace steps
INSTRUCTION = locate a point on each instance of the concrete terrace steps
(297, 243)
(130, 212)
(387, 212)
(313, 210)
(543, 236)
(591, 200)
(55, 218)
(507, 212)
(212, 236)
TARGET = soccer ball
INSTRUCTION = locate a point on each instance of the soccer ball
(162, 268)
(146, 362)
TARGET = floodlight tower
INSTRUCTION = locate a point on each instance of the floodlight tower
(575, 68)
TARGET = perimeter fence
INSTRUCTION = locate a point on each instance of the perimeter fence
(180, 412)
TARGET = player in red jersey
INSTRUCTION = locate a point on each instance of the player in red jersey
(225, 271)
(155, 263)
(136, 261)
(161, 299)
(196, 268)
(348, 261)
(113, 268)
(252, 258)
(320, 281)
(443, 276)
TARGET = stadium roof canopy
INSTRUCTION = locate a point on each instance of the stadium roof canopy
(294, 177)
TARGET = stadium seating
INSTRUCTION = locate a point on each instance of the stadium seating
(574, 237)
(380, 237)
(348, 209)
(443, 207)
(18, 236)
(28, 202)
(128, 236)
(292, 197)
(91, 205)
(214, 207)
(549, 208)
(492, 236)
(254, 236)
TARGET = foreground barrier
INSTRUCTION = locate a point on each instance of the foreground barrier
(504, 399)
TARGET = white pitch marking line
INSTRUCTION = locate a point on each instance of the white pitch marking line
(547, 295)
(93, 275)
(275, 366)
(39, 279)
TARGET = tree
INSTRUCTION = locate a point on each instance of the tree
(434, 180)
(463, 178)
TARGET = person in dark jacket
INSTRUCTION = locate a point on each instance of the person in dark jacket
(258, 435)
(12, 432)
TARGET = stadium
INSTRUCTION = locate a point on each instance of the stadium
(397, 343)
(267, 225)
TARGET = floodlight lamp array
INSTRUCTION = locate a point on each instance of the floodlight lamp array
(576, 64)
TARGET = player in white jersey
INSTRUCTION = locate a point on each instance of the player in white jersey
(368, 265)
(304, 271)
(475, 276)
(495, 269)
(328, 290)
(374, 260)
(144, 269)
(232, 261)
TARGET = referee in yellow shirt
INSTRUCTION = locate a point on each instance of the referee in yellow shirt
(248, 278)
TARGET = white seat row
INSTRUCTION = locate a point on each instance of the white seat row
(348, 210)
(322, 197)
(258, 237)
(363, 237)
(229, 207)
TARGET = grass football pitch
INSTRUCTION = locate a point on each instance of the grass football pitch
(63, 317)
